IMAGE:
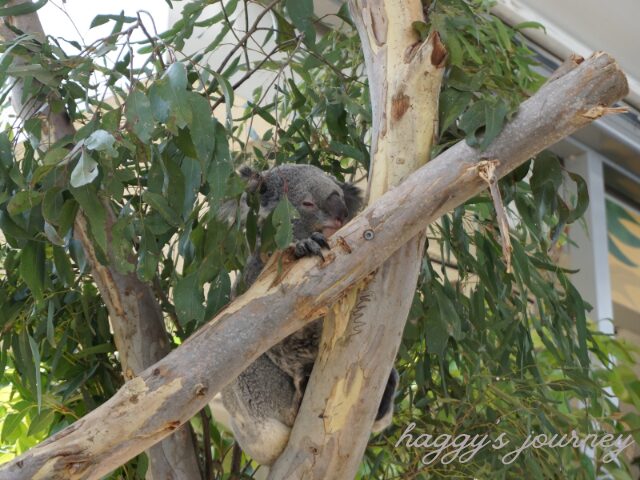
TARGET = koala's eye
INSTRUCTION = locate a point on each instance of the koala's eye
(308, 204)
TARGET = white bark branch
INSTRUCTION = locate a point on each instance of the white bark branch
(164, 396)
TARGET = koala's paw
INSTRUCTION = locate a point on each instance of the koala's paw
(311, 246)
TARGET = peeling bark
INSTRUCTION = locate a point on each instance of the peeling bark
(136, 318)
(150, 407)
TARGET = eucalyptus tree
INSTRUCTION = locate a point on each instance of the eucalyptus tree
(115, 185)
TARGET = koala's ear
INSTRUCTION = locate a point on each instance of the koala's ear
(254, 179)
(352, 198)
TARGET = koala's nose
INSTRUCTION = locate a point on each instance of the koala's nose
(337, 209)
(341, 215)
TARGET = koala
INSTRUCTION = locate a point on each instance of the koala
(264, 400)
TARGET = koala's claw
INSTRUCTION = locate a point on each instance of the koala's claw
(311, 246)
(320, 240)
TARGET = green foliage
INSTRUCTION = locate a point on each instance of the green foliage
(283, 215)
(22, 9)
(301, 13)
(484, 351)
(489, 72)
(57, 354)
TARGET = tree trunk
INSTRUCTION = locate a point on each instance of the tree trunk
(362, 333)
(289, 295)
(136, 318)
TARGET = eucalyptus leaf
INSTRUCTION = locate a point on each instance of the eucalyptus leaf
(23, 201)
(52, 234)
(63, 266)
(495, 116)
(169, 98)
(95, 213)
(219, 294)
(85, 171)
(32, 268)
(139, 115)
(229, 96)
(102, 19)
(55, 155)
(437, 334)
(283, 216)
(189, 299)
(41, 422)
(301, 13)
(202, 127)
(161, 205)
(25, 8)
(38, 378)
(101, 141)
(452, 103)
(11, 423)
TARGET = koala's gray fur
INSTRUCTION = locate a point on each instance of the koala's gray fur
(264, 400)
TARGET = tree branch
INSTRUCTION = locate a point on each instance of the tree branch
(288, 296)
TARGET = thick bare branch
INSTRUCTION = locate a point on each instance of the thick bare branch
(138, 326)
(152, 405)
